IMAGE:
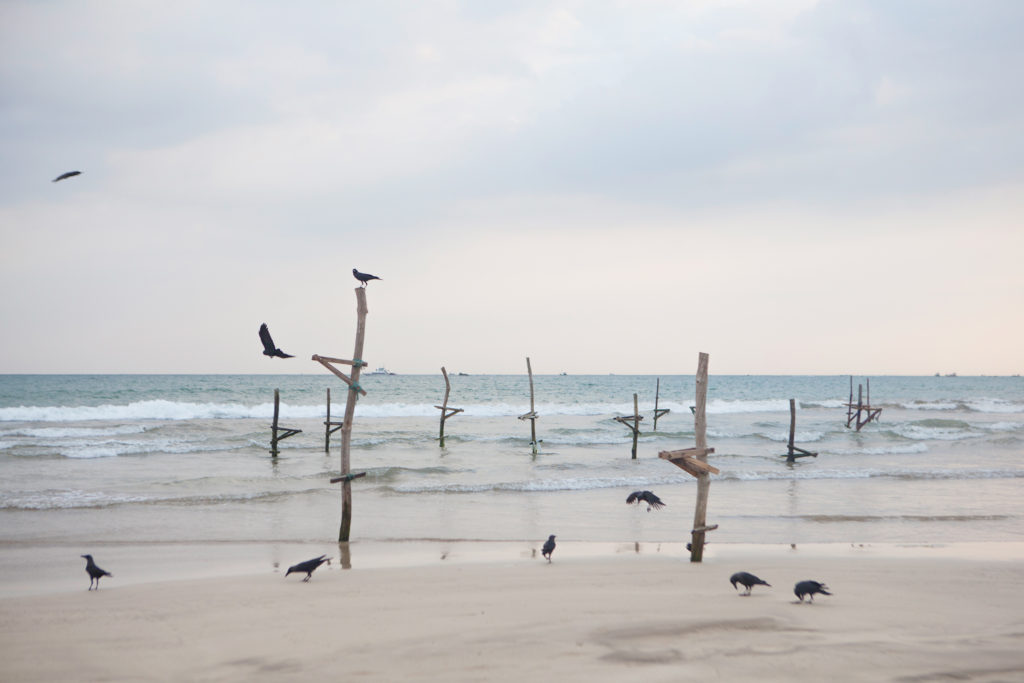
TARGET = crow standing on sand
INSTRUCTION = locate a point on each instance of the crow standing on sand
(268, 344)
(309, 566)
(646, 496)
(95, 573)
(748, 580)
(364, 277)
(62, 176)
(809, 588)
(549, 547)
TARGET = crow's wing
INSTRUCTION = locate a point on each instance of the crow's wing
(268, 343)
(69, 174)
(652, 500)
(633, 497)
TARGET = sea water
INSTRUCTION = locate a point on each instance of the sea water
(172, 459)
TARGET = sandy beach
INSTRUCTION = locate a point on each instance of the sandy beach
(899, 614)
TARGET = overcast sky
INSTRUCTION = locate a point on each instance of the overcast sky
(791, 186)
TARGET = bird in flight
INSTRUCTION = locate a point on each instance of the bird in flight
(646, 496)
(309, 566)
(364, 277)
(69, 174)
(95, 573)
(747, 579)
(549, 547)
(809, 588)
(268, 344)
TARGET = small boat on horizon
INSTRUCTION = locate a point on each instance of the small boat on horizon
(380, 371)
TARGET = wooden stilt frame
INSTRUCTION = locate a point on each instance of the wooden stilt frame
(532, 415)
(658, 412)
(795, 452)
(278, 434)
(695, 462)
(635, 427)
(355, 390)
(446, 412)
(329, 426)
(854, 411)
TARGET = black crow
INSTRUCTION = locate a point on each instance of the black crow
(549, 547)
(94, 572)
(309, 566)
(809, 588)
(69, 174)
(748, 580)
(268, 344)
(646, 496)
(364, 277)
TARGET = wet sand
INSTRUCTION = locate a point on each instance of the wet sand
(897, 613)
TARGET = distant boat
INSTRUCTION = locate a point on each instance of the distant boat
(380, 371)
(562, 374)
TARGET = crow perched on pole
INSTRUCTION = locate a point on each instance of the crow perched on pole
(364, 277)
(95, 573)
(646, 496)
(747, 579)
(809, 588)
(309, 566)
(549, 547)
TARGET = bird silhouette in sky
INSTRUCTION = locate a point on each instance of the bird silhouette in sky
(268, 344)
(646, 496)
(364, 277)
(69, 174)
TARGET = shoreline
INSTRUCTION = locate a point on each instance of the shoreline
(896, 613)
(37, 569)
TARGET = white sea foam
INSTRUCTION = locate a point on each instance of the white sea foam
(73, 432)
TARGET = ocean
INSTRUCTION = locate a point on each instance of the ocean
(89, 461)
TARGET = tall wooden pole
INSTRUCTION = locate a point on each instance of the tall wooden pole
(327, 424)
(273, 425)
(350, 408)
(704, 480)
(792, 424)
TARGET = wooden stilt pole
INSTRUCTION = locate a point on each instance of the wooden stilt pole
(329, 426)
(278, 433)
(704, 479)
(273, 425)
(635, 419)
(354, 389)
(446, 412)
(350, 409)
(532, 415)
(658, 412)
(792, 455)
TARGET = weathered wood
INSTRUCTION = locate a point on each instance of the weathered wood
(348, 477)
(685, 453)
(350, 381)
(792, 451)
(704, 478)
(354, 391)
(658, 412)
(689, 462)
(278, 433)
(532, 415)
(330, 426)
(635, 419)
(446, 412)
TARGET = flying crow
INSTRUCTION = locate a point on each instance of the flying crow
(549, 547)
(309, 566)
(268, 344)
(748, 580)
(69, 174)
(95, 573)
(809, 588)
(646, 496)
(364, 277)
